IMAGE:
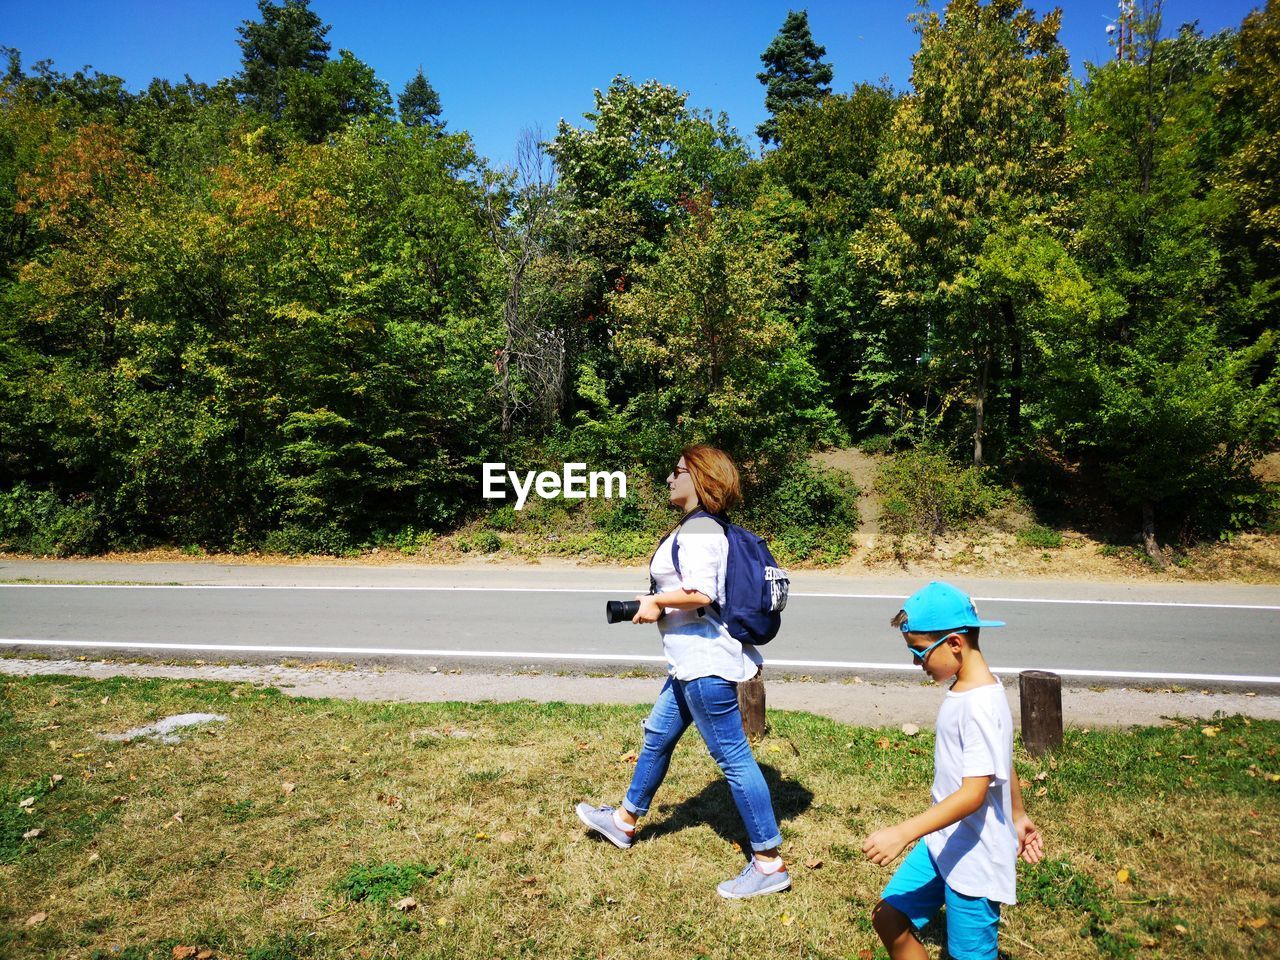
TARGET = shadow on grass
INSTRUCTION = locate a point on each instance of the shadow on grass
(714, 806)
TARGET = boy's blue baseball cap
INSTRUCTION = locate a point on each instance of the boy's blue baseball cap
(940, 606)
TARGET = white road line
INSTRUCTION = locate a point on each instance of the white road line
(604, 657)
(626, 591)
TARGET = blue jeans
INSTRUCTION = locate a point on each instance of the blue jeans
(712, 704)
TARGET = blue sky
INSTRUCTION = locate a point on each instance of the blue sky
(503, 66)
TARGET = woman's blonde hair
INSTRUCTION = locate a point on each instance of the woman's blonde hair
(714, 476)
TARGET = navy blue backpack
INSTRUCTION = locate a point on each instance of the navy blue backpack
(755, 587)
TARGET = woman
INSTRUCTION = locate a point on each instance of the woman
(705, 663)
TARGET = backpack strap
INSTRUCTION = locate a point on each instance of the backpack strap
(675, 548)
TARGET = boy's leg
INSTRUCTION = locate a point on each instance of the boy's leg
(973, 926)
(896, 933)
(713, 701)
(910, 900)
(666, 722)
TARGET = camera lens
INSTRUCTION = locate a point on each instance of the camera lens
(619, 611)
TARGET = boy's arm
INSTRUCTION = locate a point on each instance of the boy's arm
(884, 846)
(1030, 843)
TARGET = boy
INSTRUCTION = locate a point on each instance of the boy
(977, 827)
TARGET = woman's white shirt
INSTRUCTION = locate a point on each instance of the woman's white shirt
(699, 646)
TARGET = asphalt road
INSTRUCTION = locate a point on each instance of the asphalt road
(539, 616)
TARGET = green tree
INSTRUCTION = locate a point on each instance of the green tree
(1148, 391)
(419, 103)
(827, 159)
(706, 327)
(980, 144)
(623, 180)
(1249, 110)
(288, 39)
(317, 105)
(794, 73)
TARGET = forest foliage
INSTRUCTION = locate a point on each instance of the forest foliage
(275, 312)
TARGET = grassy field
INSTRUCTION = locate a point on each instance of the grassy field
(305, 828)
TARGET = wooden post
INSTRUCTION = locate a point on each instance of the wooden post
(1041, 696)
(751, 704)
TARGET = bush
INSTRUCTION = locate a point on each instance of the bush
(926, 494)
(809, 514)
(482, 541)
(1040, 537)
(36, 521)
(297, 540)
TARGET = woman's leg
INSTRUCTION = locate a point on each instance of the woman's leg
(713, 702)
(666, 722)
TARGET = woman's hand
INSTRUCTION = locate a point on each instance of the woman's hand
(649, 612)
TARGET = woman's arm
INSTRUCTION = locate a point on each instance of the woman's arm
(651, 604)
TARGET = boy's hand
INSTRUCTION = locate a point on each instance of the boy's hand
(1030, 843)
(884, 846)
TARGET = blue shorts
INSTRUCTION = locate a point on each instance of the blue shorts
(918, 892)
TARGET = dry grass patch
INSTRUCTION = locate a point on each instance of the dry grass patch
(320, 829)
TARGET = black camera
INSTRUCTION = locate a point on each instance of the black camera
(621, 611)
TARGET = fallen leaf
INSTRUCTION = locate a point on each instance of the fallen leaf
(178, 816)
(104, 700)
(53, 702)
(1122, 875)
(1179, 929)
(1042, 791)
(1257, 923)
(787, 920)
(883, 743)
(1042, 775)
(287, 788)
(1023, 783)
(55, 780)
(35, 918)
(28, 802)
(205, 954)
(407, 904)
(866, 955)
(442, 922)
(528, 879)
(1210, 731)
(31, 834)
(508, 836)
(910, 729)
(95, 857)
(629, 757)
(395, 803)
(1150, 942)
(119, 798)
(481, 835)
(184, 953)
(813, 863)
(774, 748)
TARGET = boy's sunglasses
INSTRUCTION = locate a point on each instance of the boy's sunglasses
(923, 655)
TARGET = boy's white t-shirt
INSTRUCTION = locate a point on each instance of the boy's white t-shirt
(699, 646)
(978, 855)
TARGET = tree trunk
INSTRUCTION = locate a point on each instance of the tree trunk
(1149, 542)
(1015, 385)
(979, 408)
